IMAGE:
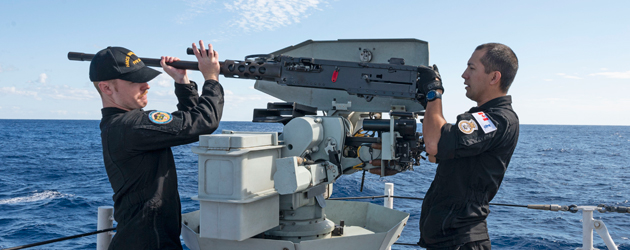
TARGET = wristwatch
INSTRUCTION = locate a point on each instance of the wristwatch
(432, 95)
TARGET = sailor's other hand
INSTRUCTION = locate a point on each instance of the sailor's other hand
(377, 171)
(179, 75)
(432, 158)
(208, 61)
(429, 79)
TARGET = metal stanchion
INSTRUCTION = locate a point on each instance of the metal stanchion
(105, 220)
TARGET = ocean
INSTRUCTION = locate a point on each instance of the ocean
(53, 180)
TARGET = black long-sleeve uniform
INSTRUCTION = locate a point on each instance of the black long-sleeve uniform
(141, 169)
(473, 156)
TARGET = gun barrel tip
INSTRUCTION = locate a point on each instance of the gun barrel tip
(76, 56)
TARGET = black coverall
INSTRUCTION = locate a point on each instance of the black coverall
(141, 169)
(472, 162)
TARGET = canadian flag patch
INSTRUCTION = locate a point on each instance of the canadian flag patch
(484, 122)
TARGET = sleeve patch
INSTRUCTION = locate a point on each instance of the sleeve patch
(467, 127)
(485, 122)
(160, 117)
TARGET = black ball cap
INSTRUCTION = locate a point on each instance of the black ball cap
(120, 63)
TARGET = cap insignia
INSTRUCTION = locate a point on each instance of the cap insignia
(128, 57)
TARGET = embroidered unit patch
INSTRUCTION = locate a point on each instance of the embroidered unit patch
(160, 117)
(485, 123)
(467, 127)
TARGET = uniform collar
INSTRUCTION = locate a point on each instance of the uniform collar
(111, 111)
(499, 101)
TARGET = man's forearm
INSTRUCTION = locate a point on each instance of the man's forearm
(187, 96)
(432, 125)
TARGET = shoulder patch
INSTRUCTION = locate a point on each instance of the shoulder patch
(485, 122)
(160, 117)
(467, 127)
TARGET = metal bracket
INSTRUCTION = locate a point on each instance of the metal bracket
(588, 225)
(331, 145)
(341, 106)
(316, 190)
(398, 108)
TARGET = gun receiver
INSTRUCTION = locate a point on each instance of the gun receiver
(365, 80)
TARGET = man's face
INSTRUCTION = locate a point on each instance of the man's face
(475, 77)
(130, 95)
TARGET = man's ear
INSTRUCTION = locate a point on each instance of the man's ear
(496, 78)
(106, 87)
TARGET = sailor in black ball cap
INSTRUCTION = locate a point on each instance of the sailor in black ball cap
(137, 143)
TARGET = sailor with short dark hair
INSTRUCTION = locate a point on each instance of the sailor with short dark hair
(473, 154)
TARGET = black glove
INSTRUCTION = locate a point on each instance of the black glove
(429, 79)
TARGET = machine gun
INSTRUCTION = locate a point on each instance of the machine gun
(362, 79)
(275, 185)
(365, 80)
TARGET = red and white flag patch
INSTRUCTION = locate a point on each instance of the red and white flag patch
(484, 122)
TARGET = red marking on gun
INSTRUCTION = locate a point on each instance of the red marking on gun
(335, 74)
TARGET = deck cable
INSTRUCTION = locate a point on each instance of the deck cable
(60, 239)
(571, 208)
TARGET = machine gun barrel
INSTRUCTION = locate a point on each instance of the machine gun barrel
(78, 56)
(229, 68)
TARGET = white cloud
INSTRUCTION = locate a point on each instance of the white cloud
(42, 78)
(162, 93)
(66, 92)
(195, 8)
(59, 112)
(249, 15)
(7, 69)
(260, 15)
(568, 76)
(16, 91)
(239, 107)
(614, 75)
(63, 92)
(233, 99)
(163, 80)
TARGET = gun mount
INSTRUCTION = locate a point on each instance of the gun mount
(270, 188)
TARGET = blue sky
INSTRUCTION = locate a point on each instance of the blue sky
(574, 55)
